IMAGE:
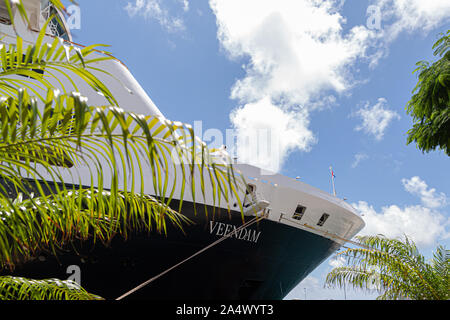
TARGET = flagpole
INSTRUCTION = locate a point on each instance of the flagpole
(332, 181)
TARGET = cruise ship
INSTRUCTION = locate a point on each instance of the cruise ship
(258, 251)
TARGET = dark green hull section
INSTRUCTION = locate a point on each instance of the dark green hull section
(264, 261)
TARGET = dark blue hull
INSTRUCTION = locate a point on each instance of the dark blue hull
(264, 261)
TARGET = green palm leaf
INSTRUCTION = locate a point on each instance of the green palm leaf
(70, 171)
(48, 146)
(51, 289)
(393, 267)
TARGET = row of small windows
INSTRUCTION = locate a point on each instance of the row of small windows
(300, 212)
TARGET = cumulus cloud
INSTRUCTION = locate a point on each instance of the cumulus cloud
(376, 118)
(267, 133)
(410, 15)
(429, 197)
(391, 18)
(298, 54)
(152, 9)
(296, 50)
(310, 288)
(422, 223)
(337, 262)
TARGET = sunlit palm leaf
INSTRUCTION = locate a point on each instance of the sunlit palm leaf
(47, 133)
(53, 289)
(42, 66)
(51, 223)
(103, 139)
(393, 267)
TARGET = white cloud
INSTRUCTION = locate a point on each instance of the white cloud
(337, 261)
(358, 158)
(309, 288)
(422, 223)
(267, 133)
(298, 54)
(296, 50)
(375, 119)
(152, 9)
(185, 4)
(397, 17)
(429, 197)
(313, 288)
(411, 15)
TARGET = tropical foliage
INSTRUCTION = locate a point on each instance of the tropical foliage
(395, 269)
(16, 288)
(430, 104)
(47, 130)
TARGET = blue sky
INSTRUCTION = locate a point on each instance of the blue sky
(332, 77)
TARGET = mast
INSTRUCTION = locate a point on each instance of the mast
(332, 181)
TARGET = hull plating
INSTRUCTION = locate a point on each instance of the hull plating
(264, 261)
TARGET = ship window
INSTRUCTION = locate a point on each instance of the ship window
(250, 188)
(299, 212)
(323, 218)
(4, 15)
(56, 26)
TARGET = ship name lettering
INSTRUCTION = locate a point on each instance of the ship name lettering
(223, 229)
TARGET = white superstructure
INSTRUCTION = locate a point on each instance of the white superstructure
(285, 200)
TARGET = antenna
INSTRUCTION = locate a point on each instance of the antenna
(332, 181)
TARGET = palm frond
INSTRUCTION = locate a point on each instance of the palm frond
(45, 155)
(16, 288)
(401, 270)
(43, 66)
(73, 171)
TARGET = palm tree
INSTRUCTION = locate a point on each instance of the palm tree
(395, 269)
(429, 105)
(46, 130)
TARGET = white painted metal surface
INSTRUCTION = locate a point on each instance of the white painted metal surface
(278, 194)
